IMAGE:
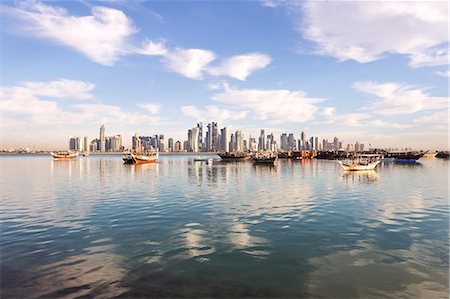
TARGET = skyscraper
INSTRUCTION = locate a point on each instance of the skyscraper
(170, 144)
(85, 144)
(316, 144)
(225, 140)
(200, 136)
(335, 143)
(291, 141)
(239, 139)
(102, 139)
(303, 141)
(284, 142)
(262, 141)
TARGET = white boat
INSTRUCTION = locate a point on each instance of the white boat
(361, 162)
(65, 155)
(134, 158)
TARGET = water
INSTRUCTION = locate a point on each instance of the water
(97, 228)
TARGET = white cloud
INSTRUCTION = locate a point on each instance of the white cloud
(327, 111)
(365, 31)
(61, 88)
(443, 74)
(275, 106)
(395, 98)
(101, 36)
(441, 117)
(241, 66)
(190, 63)
(153, 108)
(195, 63)
(23, 102)
(212, 112)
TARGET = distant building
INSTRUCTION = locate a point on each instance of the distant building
(170, 146)
(224, 140)
(102, 139)
(262, 141)
(284, 142)
(85, 144)
(177, 146)
(291, 142)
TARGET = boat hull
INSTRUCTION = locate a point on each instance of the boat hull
(64, 156)
(229, 158)
(139, 159)
(358, 166)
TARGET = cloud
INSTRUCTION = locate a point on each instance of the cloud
(101, 36)
(153, 108)
(366, 31)
(443, 74)
(195, 63)
(327, 111)
(61, 88)
(24, 102)
(275, 106)
(241, 66)
(441, 117)
(212, 112)
(396, 98)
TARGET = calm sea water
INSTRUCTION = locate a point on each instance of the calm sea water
(97, 228)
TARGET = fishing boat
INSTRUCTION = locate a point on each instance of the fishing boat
(361, 162)
(268, 158)
(64, 155)
(234, 156)
(406, 157)
(139, 158)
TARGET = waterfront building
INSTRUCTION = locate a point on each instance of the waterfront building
(303, 141)
(291, 142)
(177, 146)
(193, 140)
(311, 143)
(316, 144)
(200, 136)
(161, 144)
(85, 144)
(262, 141)
(232, 143)
(335, 143)
(252, 145)
(357, 146)
(361, 147)
(102, 138)
(170, 145)
(284, 142)
(224, 140)
(95, 145)
(239, 140)
(136, 143)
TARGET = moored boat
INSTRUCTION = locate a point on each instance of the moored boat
(430, 154)
(64, 155)
(361, 162)
(134, 158)
(85, 154)
(234, 156)
(442, 155)
(268, 158)
(406, 157)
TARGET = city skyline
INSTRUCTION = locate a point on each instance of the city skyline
(159, 68)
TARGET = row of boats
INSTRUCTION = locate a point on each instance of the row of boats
(355, 162)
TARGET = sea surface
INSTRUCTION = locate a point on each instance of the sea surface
(95, 228)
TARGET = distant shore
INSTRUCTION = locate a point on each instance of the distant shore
(110, 153)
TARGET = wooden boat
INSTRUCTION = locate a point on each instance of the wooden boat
(234, 156)
(268, 158)
(406, 157)
(361, 162)
(65, 155)
(134, 158)
(430, 154)
(442, 155)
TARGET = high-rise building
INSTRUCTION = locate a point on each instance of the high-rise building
(311, 143)
(193, 141)
(225, 140)
(357, 146)
(252, 145)
(170, 145)
(291, 141)
(284, 142)
(335, 143)
(200, 136)
(161, 143)
(72, 143)
(262, 141)
(303, 141)
(212, 137)
(239, 140)
(316, 144)
(177, 147)
(361, 147)
(102, 139)
(85, 144)
(136, 143)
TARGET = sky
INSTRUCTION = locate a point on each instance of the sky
(373, 72)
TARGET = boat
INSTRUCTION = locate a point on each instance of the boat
(405, 157)
(139, 158)
(85, 154)
(268, 158)
(361, 162)
(442, 155)
(64, 155)
(430, 154)
(207, 160)
(234, 156)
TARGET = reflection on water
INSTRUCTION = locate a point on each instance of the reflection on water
(94, 227)
(362, 176)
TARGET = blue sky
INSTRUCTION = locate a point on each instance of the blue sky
(375, 72)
